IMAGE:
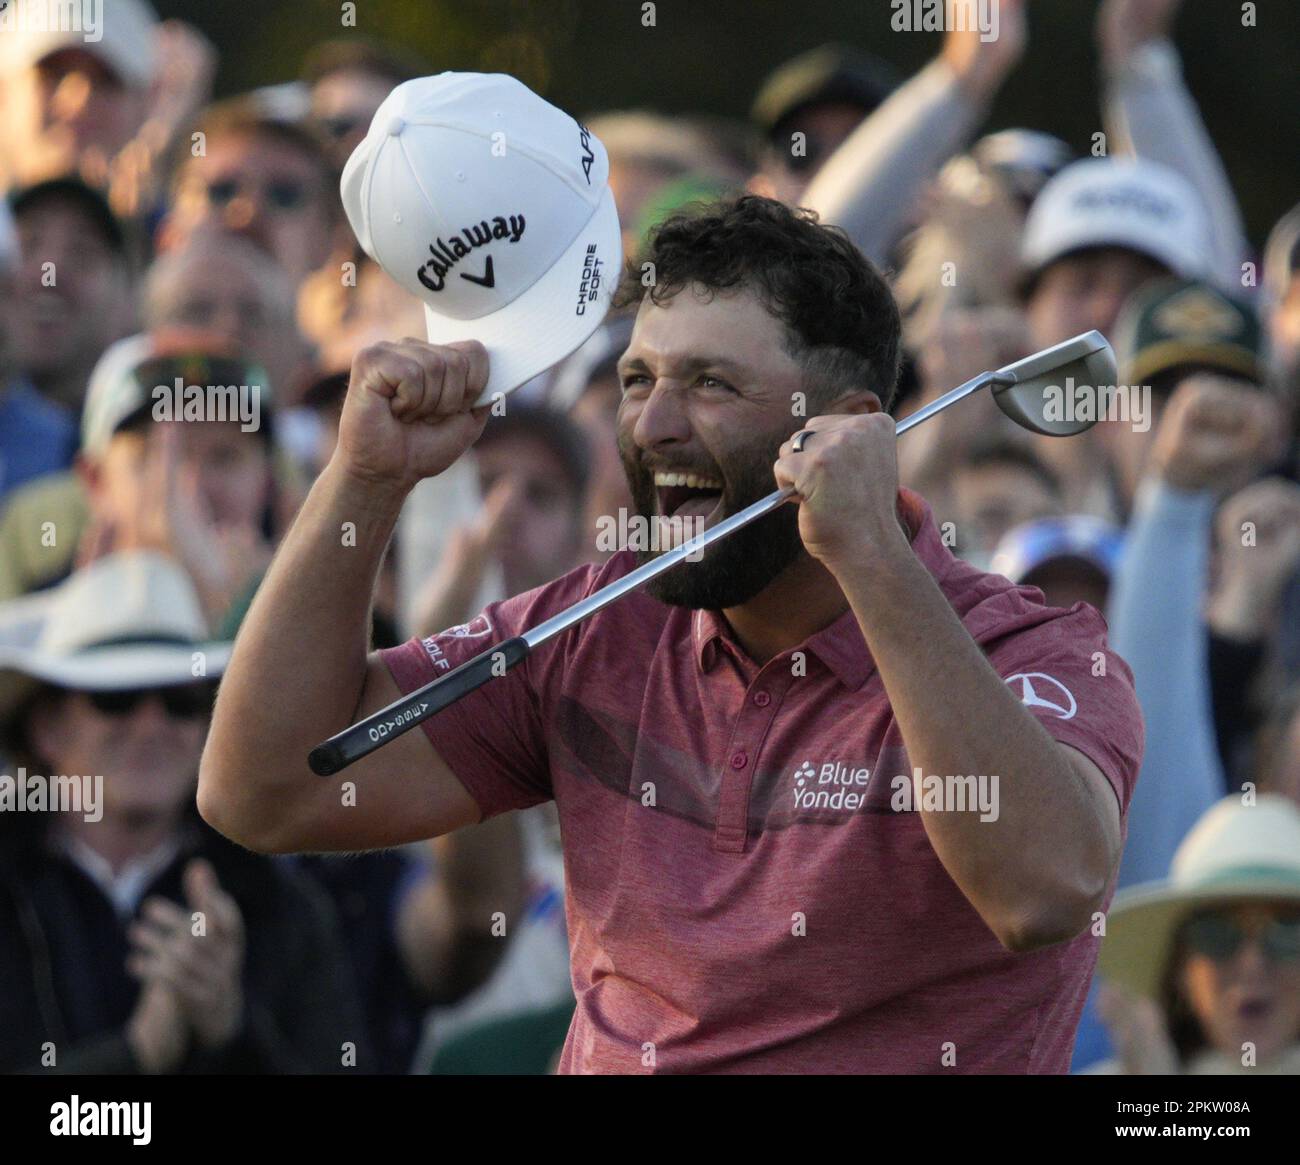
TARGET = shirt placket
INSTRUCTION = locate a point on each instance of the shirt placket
(763, 699)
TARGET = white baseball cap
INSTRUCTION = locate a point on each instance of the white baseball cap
(119, 387)
(121, 33)
(494, 209)
(1132, 203)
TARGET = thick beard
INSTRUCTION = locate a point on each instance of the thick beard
(741, 565)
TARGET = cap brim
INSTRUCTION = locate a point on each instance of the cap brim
(1161, 357)
(1075, 243)
(106, 669)
(542, 326)
(128, 64)
(1143, 921)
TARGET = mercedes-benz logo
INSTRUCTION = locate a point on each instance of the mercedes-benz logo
(1039, 690)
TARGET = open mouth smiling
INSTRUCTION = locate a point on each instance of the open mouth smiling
(687, 495)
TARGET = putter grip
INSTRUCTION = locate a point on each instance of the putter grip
(366, 735)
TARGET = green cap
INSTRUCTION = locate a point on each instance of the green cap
(679, 195)
(1184, 324)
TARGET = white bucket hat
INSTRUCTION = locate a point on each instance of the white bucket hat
(494, 209)
(1235, 852)
(1132, 203)
(121, 33)
(129, 620)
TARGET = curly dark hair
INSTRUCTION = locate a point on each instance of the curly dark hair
(841, 320)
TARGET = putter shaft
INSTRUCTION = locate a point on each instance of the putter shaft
(366, 735)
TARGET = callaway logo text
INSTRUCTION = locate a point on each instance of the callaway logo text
(433, 274)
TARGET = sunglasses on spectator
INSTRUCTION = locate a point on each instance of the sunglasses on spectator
(279, 193)
(184, 702)
(339, 127)
(1220, 937)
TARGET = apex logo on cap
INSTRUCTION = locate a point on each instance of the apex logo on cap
(433, 272)
(588, 155)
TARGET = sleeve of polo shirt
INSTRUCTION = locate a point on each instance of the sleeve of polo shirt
(1067, 675)
(493, 738)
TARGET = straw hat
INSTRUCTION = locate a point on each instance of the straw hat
(1234, 853)
(130, 620)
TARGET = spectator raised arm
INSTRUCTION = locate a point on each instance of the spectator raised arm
(871, 185)
(1212, 434)
(1149, 112)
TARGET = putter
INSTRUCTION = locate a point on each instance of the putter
(1019, 390)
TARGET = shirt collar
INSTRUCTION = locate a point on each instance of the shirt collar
(840, 645)
(125, 887)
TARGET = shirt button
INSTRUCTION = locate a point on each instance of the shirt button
(762, 699)
(738, 760)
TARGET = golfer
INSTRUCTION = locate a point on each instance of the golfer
(831, 799)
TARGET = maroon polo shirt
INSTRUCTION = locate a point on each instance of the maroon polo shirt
(745, 890)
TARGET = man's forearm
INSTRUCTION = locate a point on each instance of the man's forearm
(1045, 856)
(299, 663)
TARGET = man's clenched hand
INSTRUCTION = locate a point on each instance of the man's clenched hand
(846, 482)
(409, 410)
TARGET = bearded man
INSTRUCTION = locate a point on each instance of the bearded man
(831, 800)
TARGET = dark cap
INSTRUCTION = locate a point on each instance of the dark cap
(1078, 537)
(87, 199)
(1024, 159)
(361, 54)
(552, 428)
(1176, 324)
(829, 74)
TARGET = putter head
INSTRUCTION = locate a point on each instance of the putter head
(1040, 389)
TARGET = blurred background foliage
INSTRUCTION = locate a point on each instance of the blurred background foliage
(710, 56)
